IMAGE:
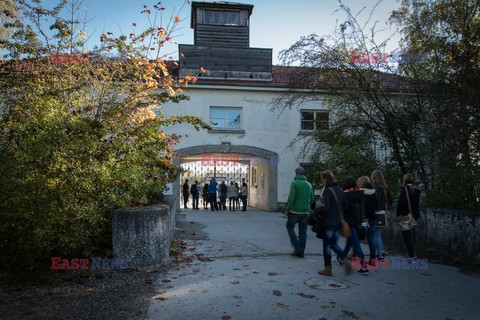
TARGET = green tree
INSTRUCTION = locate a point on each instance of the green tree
(80, 135)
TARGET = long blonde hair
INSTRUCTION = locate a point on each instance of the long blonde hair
(379, 179)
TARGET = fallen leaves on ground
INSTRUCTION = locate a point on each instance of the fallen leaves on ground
(277, 293)
(166, 280)
(304, 295)
(271, 274)
(325, 306)
(334, 285)
(161, 298)
(88, 289)
(159, 292)
(350, 314)
(281, 305)
(235, 282)
(237, 297)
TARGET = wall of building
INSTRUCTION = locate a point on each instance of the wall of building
(262, 127)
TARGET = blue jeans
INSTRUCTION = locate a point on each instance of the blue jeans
(297, 243)
(223, 201)
(378, 241)
(355, 242)
(244, 202)
(330, 237)
(371, 238)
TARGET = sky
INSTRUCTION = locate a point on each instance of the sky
(275, 24)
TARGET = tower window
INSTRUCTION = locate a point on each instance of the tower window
(224, 18)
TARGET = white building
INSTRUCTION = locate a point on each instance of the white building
(235, 95)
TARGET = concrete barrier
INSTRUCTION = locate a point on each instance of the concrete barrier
(144, 235)
(450, 235)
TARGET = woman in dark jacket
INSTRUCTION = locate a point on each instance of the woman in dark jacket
(334, 201)
(409, 202)
(354, 196)
(384, 202)
(205, 196)
(369, 207)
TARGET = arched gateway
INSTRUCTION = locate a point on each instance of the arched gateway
(262, 169)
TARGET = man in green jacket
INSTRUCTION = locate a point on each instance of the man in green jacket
(299, 201)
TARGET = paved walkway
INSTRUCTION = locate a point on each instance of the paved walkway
(253, 276)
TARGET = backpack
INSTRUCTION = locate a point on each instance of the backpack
(193, 189)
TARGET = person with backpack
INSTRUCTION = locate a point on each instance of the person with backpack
(369, 208)
(195, 195)
(352, 213)
(212, 194)
(408, 213)
(223, 196)
(335, 203)
(384, 204)
(185, 192)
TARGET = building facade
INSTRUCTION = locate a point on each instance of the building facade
(235, 93)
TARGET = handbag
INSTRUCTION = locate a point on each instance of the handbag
(316, 221)
(345, 232)
(407, 222)
(381, 215)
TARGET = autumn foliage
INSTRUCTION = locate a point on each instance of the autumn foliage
(78, 140)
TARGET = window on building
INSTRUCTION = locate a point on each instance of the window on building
(224, 18)
(314, 120)
(225, 118)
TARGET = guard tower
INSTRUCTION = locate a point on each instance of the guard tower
(222, 44)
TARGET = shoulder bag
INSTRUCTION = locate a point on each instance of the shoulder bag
(407, 222)
(381, 215)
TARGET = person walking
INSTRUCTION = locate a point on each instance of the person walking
(205, 196)
(232, 195)
(355, 204)
(212, 194)
(185, 190)
(409, 204)
(243, 196)
(195, 195)
(335, 203)
(300, 198)
(223, 196)
(239, 191)
(369, 207)
(384, 204)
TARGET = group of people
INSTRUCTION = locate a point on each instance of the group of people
(361, 206)
(233, 192)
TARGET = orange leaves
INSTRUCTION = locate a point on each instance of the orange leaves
(176, 19)
(103, 37)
